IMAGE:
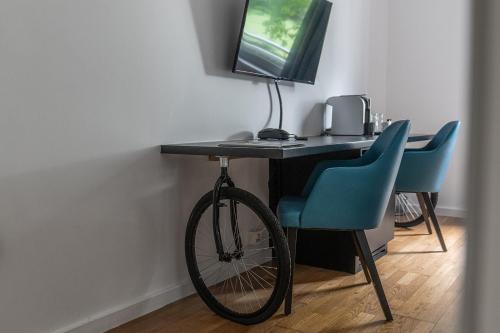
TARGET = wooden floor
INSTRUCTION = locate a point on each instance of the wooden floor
(423, 286)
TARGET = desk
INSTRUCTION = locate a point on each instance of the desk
(289, 169)
(314, 146)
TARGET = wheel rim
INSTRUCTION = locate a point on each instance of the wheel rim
(242, 283)
(408, 212)
(407, 209)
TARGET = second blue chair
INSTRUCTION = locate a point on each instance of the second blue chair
(423, 171)
(351, 196)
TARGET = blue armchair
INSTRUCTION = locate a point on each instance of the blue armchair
(423, 171)
(348, 195)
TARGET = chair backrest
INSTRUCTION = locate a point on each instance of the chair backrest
(356, 198)
(388, 137)
(442, 147)
(446, 137)
(424, 170)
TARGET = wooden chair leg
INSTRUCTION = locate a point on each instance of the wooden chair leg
(292, 245)
(379, 289)
(361, 258)
(434, 219)
(425, 212)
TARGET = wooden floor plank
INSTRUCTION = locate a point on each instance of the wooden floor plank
(450, 321)
(424, 287)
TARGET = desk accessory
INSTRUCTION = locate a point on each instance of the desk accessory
(261, 144)
(370, 129)
(275, 133)
(350, 115)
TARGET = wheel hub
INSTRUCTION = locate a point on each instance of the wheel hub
(228, 257)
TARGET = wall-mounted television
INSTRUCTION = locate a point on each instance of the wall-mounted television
(282, 39)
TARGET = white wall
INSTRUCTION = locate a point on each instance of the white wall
(427, 80)
(92, 218)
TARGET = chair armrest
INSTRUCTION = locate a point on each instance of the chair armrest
(352, 198)
(419, 159)
(422, 171)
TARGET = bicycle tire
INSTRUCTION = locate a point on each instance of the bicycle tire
(278, 240)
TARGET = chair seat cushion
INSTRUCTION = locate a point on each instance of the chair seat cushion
(289, 211)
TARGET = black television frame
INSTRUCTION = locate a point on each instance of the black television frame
(236, 71)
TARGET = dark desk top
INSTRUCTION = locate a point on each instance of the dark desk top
(315, 145)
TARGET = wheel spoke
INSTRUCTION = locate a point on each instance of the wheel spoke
(242, 287)
(251, 284)
(256, 265)
(205, 272)
(232, 286)
(223, 286)
(262, 249)
(250, 273)
(260, 277)
(407, 212)
(265, 270)
(207, 255)
(256, 254)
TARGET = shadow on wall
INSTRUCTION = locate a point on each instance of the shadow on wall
(243, 135)
(313, 123)
(217, 24)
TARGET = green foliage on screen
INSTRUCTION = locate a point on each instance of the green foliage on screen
(277, 20)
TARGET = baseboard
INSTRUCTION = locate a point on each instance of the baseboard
(120, 315)
(451, 211)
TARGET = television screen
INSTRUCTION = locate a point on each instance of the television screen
(282, 39)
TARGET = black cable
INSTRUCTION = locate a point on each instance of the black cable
(281, 103)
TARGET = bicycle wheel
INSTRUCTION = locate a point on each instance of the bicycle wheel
(408, 212)
(248, 285)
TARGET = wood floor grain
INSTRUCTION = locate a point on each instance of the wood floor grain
(423, 286)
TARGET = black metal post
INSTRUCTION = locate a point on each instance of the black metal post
(224, 179)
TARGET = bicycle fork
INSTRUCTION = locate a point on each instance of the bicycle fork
(224, 179)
